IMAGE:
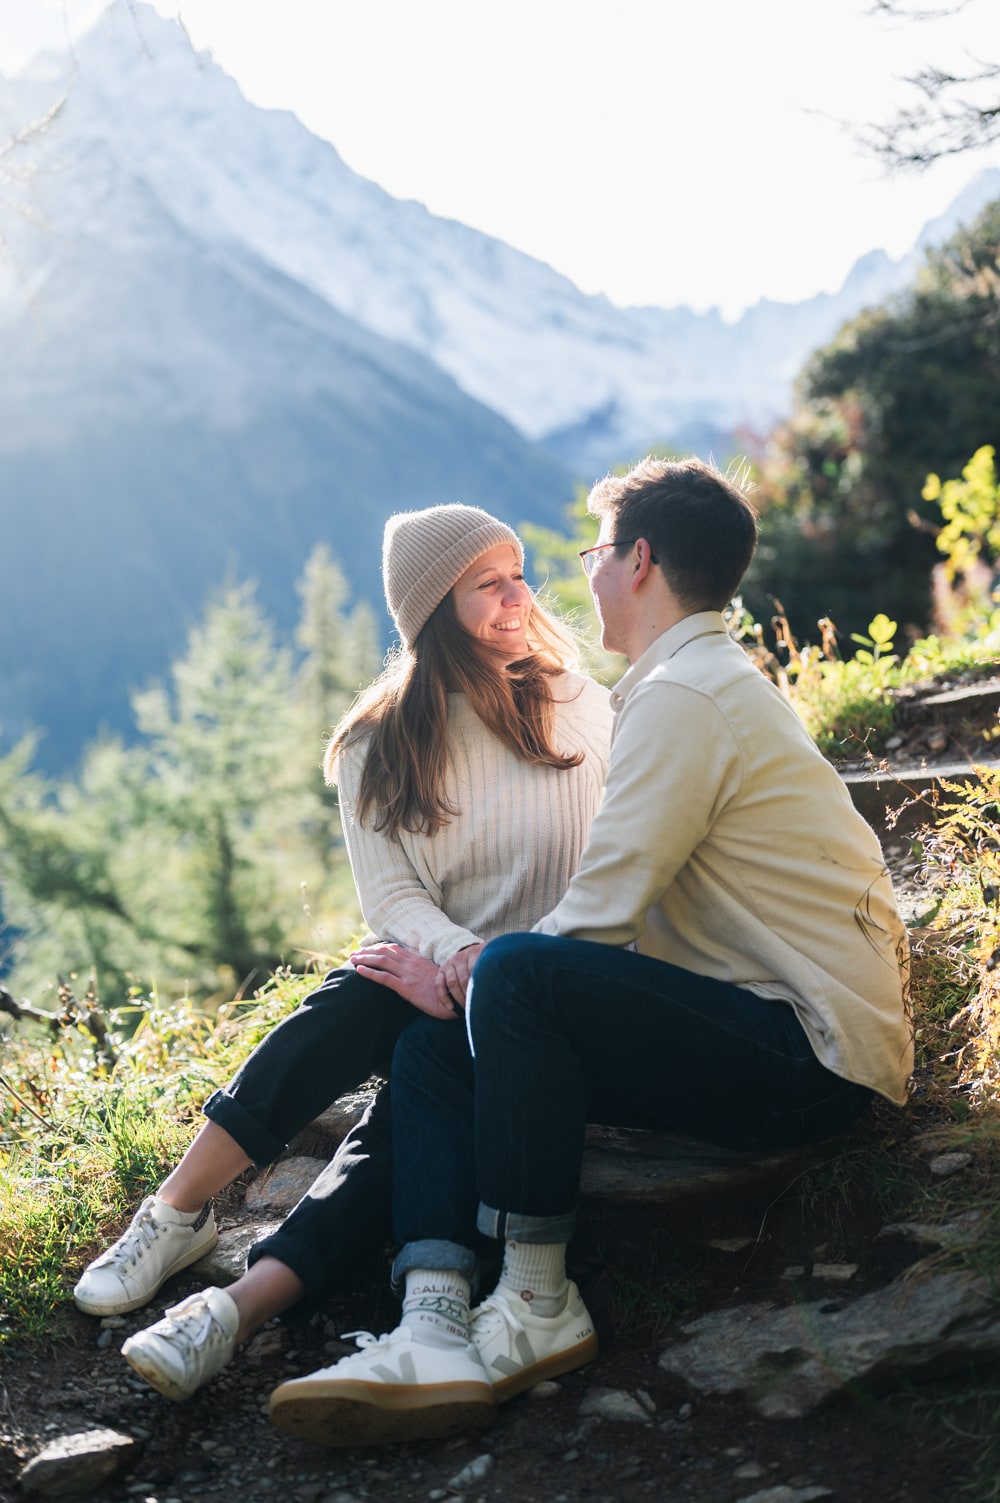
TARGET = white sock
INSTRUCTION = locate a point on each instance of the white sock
(537, 1272)
(185, 1218)
(436, 1306)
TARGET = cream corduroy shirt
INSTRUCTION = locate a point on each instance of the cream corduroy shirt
(508, 855)
(726, 844)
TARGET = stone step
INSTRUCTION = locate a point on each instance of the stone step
(619, 1164)
(973, 705)
(898, 798)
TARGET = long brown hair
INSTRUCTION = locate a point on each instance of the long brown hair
(404, 715)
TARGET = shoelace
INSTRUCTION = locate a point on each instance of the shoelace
(365, 1339)
(492, 1315)
(191, 1327)
(130, 1247)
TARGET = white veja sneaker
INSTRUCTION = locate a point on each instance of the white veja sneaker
(393, 1389)
(519, 1348)
(188, 1346)
(156, 1245)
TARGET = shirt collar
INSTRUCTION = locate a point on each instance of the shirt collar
(701, 624)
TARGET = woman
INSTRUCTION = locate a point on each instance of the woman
(468, 775)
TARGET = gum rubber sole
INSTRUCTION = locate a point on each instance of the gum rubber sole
(350, 1412)
(547, 1367)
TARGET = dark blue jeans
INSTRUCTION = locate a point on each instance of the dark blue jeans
(342, 1034)
(566, 1032)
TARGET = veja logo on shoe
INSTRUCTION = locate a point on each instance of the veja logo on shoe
(524, 1350)
(407, 1370)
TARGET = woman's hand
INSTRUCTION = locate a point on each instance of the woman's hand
(453, 976)
(410, 975)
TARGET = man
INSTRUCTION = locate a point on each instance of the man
(728, 963)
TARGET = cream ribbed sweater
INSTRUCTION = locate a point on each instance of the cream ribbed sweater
(507, 857)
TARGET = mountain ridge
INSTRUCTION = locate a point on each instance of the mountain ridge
(223, 346)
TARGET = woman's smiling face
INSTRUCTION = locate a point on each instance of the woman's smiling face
(493, 603)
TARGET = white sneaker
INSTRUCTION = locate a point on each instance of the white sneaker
(393, 1389)
(188, 1346)
(519, 1348)
(157, 1244)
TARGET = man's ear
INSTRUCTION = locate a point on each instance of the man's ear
(642, 562)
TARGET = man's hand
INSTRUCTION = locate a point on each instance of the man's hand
(453, 976)
(408, 974)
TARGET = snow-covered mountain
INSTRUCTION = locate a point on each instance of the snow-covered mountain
(596, 381)
(221, 346)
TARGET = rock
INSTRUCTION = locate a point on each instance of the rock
(79, 1463)
(283, 1185)
(787, 1360)
(227, 1261)
(962, 1232)
(731, 1244)
(614, 1404)
(839, 1272)
(548, 1388)
(949, 1163)
(783, 1494)
(638, 1165)
(618, 1163)
(749, 1471)
(324, 1136)
(471, 1475)
(266, 1344)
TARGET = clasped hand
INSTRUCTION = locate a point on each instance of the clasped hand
(437, 990)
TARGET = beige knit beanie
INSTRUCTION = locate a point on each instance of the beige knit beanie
(424, 552)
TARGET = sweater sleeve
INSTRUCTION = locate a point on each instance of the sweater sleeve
(396, 904)
(674, 764)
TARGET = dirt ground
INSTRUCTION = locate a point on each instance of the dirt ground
(642, 1271)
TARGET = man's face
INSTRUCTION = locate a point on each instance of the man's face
(609, 587)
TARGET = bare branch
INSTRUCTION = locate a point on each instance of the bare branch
(903, 10)
(958, 111)
(72, 1012)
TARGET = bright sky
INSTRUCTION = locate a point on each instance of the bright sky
(659, 151)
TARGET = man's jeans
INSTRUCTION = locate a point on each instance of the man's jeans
(343, 1033)
(566, 1032)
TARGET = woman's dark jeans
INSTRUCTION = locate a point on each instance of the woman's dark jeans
(342, 1034)
(566, 1032)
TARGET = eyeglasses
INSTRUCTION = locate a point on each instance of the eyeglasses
(588, 560)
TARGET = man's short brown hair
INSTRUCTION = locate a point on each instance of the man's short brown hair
(699, 524)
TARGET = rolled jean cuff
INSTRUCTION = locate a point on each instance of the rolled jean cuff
(431, 1253)
(257, 1143)
(514, 1226)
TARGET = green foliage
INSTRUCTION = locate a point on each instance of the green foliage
(81, 1142)
(971, 511)
(902, 391)
(192, 856)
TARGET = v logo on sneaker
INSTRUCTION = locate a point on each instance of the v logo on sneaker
(407, 1370)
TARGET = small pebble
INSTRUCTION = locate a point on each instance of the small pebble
(475, 1472)
(547, 1389)
(112, 1323)
(949, 1163)
(838, 1271)
(685, 1411)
